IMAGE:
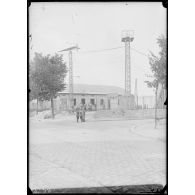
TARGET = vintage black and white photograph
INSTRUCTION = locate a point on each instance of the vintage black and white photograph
(97, 97)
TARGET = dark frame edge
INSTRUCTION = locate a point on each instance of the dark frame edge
(165, 5)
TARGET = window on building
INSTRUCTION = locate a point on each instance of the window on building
(109, 104)
(101, 102)
(63, 101)
(92, 101)
(75, 102)
(83, 101)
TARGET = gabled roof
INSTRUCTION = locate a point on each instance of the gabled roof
(95, 89)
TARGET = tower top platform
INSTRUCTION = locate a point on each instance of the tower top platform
(127, 36)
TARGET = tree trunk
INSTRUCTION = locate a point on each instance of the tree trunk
(37, 106)
(52, 108)
(155, 108)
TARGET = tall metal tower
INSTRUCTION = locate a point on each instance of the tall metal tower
(127, 37)
(135, 93)
(71, 90)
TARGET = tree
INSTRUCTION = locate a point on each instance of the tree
(158, 67)
(35, 90)
(47, 74)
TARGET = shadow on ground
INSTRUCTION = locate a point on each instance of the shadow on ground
(131, 189)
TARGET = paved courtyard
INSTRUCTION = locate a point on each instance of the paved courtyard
(64, 153)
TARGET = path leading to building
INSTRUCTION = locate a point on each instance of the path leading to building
(64, 153)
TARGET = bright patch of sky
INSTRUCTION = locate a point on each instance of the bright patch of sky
(96, 26)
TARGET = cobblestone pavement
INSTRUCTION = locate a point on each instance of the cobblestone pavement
(93, 163)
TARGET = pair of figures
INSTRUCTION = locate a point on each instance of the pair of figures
(80, 113)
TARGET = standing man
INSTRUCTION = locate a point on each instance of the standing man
(77, 113)
(83, 112)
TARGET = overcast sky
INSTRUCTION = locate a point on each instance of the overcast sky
(96, 26)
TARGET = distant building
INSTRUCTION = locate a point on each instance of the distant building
(95, 97)
(146, 102)
(99, 97)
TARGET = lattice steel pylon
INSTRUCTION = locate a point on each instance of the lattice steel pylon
(71, 89)
(127, 69)
(71, 98)
(135, 94)
(127, 37)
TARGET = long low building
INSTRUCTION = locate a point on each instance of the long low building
(95, 97)
(98, 97)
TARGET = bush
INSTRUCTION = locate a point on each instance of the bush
(47, 116)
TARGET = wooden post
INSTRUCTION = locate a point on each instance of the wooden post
(143, 102)
(52, 108)
(37, 106)
(156, 108)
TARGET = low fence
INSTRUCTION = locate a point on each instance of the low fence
(145, 114)
(131, 114)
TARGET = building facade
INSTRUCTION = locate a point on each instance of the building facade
(94, 97)
(92, 101)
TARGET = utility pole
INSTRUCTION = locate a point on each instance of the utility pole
(135, 94)
(156, 107)
(158, 100)
(71, 90)
(143, 103)
(127, 37)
